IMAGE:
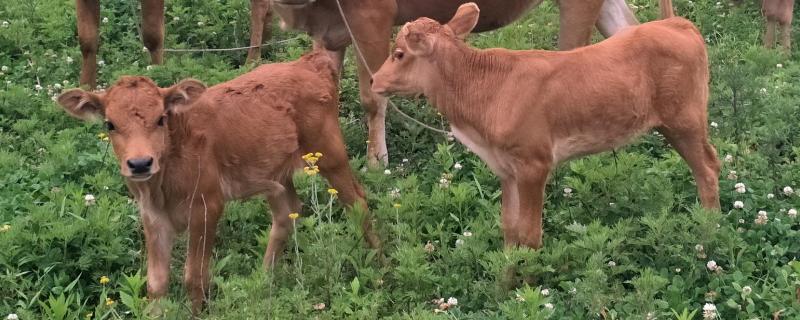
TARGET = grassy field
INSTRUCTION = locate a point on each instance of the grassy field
(624, 235)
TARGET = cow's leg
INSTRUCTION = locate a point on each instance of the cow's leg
(509, 211)
(531, 180)
(260, 27)
(204, 214)
(153, 29)
(690, 139)
(615, 15)
(769, 36)
(88, 38)
(159, 236)
(372, 37)
(282, 202)
(786, 37)
(576, 20)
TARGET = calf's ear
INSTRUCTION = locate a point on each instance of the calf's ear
(464, 20)
(82, 104)
(182, 94)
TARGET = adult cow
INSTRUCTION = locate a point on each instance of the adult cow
(371, 24)
(153, 32)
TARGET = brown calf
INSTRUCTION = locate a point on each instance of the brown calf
(186, 150)
(371, 24)
(153, 32)
(524, 112)
(778, 12)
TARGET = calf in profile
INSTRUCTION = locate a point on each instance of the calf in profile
(523, 112)
(186, 150)
(778, 12)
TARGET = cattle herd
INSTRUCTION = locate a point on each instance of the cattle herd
(187, 149)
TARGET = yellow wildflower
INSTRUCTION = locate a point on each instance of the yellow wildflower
(102, 136)
(311, 171)
(104, 280)
(397, 205)
(333, 191)
(294, 215)
(89, 315)
(109, 301)
(5, 228)
(318, 154)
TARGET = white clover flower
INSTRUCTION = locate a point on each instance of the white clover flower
(747, 290)
(394, 193)
(711, 265)
(429, 247)
(319, 306)
(714, 124)
(709, 311)
(549, 306)
(792, 212)
(732, 175)
(4, 68)
(728, 158)
(457, 166)
(787, 190)
(770, 195)
(699, 247)
(89, 199)
(567, 192)
(738, 204)
(741, 220)
(387, 172)
(779, 66)
(612, 263)
(405, 160)
(452, 301)
(740, 188)
(573, 291)
(678, 270)
(38, 87)
(57, 86)
(149, 67)
(176, 18)
(12, 316)
(459, 242)
(467, 234)
(545, 292)
(763, 91)
(5, 25)
(762, 217)
(105, 19)
(200, 23)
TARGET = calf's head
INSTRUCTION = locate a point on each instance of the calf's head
(135, 112)
(411, 67)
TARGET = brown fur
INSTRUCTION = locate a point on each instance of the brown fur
(524, 112)
(371, 22)
(778, 12)
(88, 14)
(234, 140)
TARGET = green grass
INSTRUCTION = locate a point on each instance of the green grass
(622, 245)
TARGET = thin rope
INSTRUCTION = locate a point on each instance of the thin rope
(366, 65)
(236, 48)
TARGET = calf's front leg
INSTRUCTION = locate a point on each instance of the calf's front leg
(204, 213)
(159, 236)
(531, 180)
(282, 201)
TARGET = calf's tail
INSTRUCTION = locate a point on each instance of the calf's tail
(666, 9)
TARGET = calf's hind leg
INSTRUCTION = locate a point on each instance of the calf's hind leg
(153, 29)
(576, 22)
(692, 144)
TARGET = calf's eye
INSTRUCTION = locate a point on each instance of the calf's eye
(398, 55)
(109, 126)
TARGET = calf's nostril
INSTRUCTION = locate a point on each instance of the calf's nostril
(371, 81)
(140, 165)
